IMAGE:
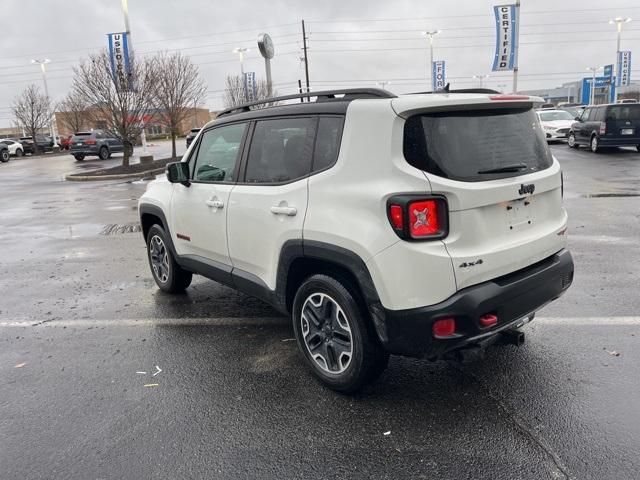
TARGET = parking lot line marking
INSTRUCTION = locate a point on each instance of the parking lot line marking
(258, 321)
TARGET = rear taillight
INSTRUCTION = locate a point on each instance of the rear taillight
(91, 141)
(444, 328)
(603, 128)
(418, 217)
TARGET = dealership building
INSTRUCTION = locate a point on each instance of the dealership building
(575, 92)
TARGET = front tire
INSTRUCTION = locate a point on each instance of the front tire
(79, 158)
(571, 140)
(19, 152)
(169, 276)
(594, 144)
(334, 335)
(4, 156)
(103, 153)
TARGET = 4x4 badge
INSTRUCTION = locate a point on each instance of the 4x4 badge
(530, 188)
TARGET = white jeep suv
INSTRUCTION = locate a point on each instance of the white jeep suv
(419, 225)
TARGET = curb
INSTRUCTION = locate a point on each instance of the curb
(90, 178)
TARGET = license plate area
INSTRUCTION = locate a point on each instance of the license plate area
(626, 131)
(518, 214)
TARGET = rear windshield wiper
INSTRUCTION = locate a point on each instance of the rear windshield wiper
(516, 167)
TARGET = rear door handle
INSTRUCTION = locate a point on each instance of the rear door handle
(281, 210)
(215, 203)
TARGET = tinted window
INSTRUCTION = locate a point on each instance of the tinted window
(217, 155)
(327, 142)
(598, 114)
(624, 112)
(280, 150)
(461, 144)
(6, 142)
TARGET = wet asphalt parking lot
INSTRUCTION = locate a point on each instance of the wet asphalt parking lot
(80, 317)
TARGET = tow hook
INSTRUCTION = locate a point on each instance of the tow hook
(512, 337)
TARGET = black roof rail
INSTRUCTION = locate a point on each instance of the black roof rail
(322, 96)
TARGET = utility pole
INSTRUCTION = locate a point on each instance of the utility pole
(515, 49)
(618, 21)
(300, 90)
(430, 36)
(384, 83)
(52, 127)
(306, 58)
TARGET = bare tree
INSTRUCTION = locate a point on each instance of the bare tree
(121, 107)
(32, 111)
(179, 89)
(234, 92)
(73, 111)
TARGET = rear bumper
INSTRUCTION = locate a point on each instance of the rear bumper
(511, 298)
(84, 150)
(618, 141)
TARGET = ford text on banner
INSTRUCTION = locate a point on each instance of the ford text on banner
(624, 68)
(506, 37)
(119, 57)
(250, 87)
(437, 75)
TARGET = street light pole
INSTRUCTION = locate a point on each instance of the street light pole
(481, 79)
(430, 35)
(618, 21)
(241, 51)
(42, 62)
(592, 93)
(384, 83)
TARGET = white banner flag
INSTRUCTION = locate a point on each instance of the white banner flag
(506, 37)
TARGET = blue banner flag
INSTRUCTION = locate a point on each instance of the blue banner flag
(438, 81)
(624, 68)
(506, 37)
(119, 58)
(250, 87)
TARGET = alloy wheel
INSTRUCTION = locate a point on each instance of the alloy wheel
(571, 140)
(594, 144)
(326, 333)
(159, 256)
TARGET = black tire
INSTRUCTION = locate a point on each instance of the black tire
(571, 140)
(4, 156)
(79, 157)
(322, 295)
(594, 144)
(638, 147)
(103, 153)
(19, 152)
(169, 276)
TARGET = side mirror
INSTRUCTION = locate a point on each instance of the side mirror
(178, 172)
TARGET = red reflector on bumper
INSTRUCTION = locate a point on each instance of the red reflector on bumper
(444, 327)
(488, 320)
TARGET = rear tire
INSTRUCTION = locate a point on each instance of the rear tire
(4, 156)
(103, 153)
(79, 158)
(169, 276)
(335, 336)
(19, 152)
(571, 140)
(594, 144)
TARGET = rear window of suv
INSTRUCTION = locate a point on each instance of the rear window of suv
(624, 112)
(461, 144)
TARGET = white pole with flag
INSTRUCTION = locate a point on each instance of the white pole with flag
(515, 49)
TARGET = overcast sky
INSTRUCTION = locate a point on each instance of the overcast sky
(351, 43)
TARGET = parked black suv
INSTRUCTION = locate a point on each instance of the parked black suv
(45, 144)
(97, 142)
(191, 135)
(611, 125)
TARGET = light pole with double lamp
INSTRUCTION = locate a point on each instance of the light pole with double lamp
(618, 22)
(592, 92)
(430, 35)
(481, 79)
(42, 62)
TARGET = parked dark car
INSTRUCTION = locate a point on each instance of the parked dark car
(191, 135)
(4, 153)
(95, 143)
(611, 125)
(45, 144)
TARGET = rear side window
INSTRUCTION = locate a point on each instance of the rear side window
(280, 150)
(467, 145)
(328, 140)
(597, 114)
(624, 112)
